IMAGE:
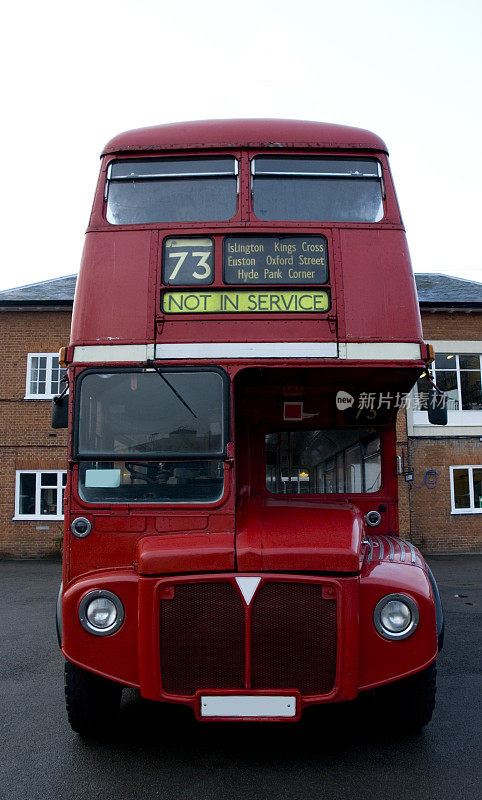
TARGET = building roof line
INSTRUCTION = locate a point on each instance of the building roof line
(445, 275)
(39, 283)
(434, 289)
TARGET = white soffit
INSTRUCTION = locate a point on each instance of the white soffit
(190, 351)
(247, 350)
(451, 346)
(380, 351)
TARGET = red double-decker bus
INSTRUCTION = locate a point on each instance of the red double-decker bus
(245, 327)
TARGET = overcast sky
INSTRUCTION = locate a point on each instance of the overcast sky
(74, 75)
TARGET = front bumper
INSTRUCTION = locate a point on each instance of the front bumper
(189, 637)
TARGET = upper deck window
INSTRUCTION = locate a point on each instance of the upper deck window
(171, 190)
(317, 189)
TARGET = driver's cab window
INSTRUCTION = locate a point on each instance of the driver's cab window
(323, 461)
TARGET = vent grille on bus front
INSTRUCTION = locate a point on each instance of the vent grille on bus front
(202, 638)
(293, 638)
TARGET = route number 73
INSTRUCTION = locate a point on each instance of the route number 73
(181, 257)
(183, 266)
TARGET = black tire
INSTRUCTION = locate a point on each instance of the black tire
(408, 705)
(92, 702)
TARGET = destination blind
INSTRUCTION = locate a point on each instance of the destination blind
(275, 259)
(245, 302)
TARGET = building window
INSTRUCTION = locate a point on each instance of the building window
(459, 376)
(43, 376)
(39, 494)
(466, 490)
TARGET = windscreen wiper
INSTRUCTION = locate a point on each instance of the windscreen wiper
(173, 390)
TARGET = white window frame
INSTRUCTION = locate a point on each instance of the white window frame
(460, 421)
(38, 485)
(48, 376)
(470, 468)
(457, 369)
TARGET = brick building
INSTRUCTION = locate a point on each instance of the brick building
(34, 322)
(440, 509)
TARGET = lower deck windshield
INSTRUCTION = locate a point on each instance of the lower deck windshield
(151, 435)
(151, 481)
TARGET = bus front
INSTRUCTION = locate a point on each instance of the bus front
(245, 330)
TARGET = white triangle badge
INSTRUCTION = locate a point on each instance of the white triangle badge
(247, 587)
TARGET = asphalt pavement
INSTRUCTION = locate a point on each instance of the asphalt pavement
(339, 753)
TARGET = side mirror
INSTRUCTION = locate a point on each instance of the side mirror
(60, 411)
(437, 408)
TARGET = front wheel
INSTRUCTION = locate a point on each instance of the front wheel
(408, 704)
(92, 702)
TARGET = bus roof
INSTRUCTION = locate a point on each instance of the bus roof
(224, 133)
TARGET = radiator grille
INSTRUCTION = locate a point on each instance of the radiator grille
(202, 638)
(293, 638)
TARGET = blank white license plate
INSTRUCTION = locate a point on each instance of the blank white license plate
(248, 706)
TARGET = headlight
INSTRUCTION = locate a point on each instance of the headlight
(101, 612)
(396, 616)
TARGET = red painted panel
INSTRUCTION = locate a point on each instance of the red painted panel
(238, 132)
(180, 523)
(299, 535)
(379, 288)
(186, 552)
(112, 295)
(221, 522)
(104, 550)
(383, 660)
(245, 328)
(112, 656)
(110, 524)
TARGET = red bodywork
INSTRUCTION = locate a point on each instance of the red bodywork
(308, 551)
